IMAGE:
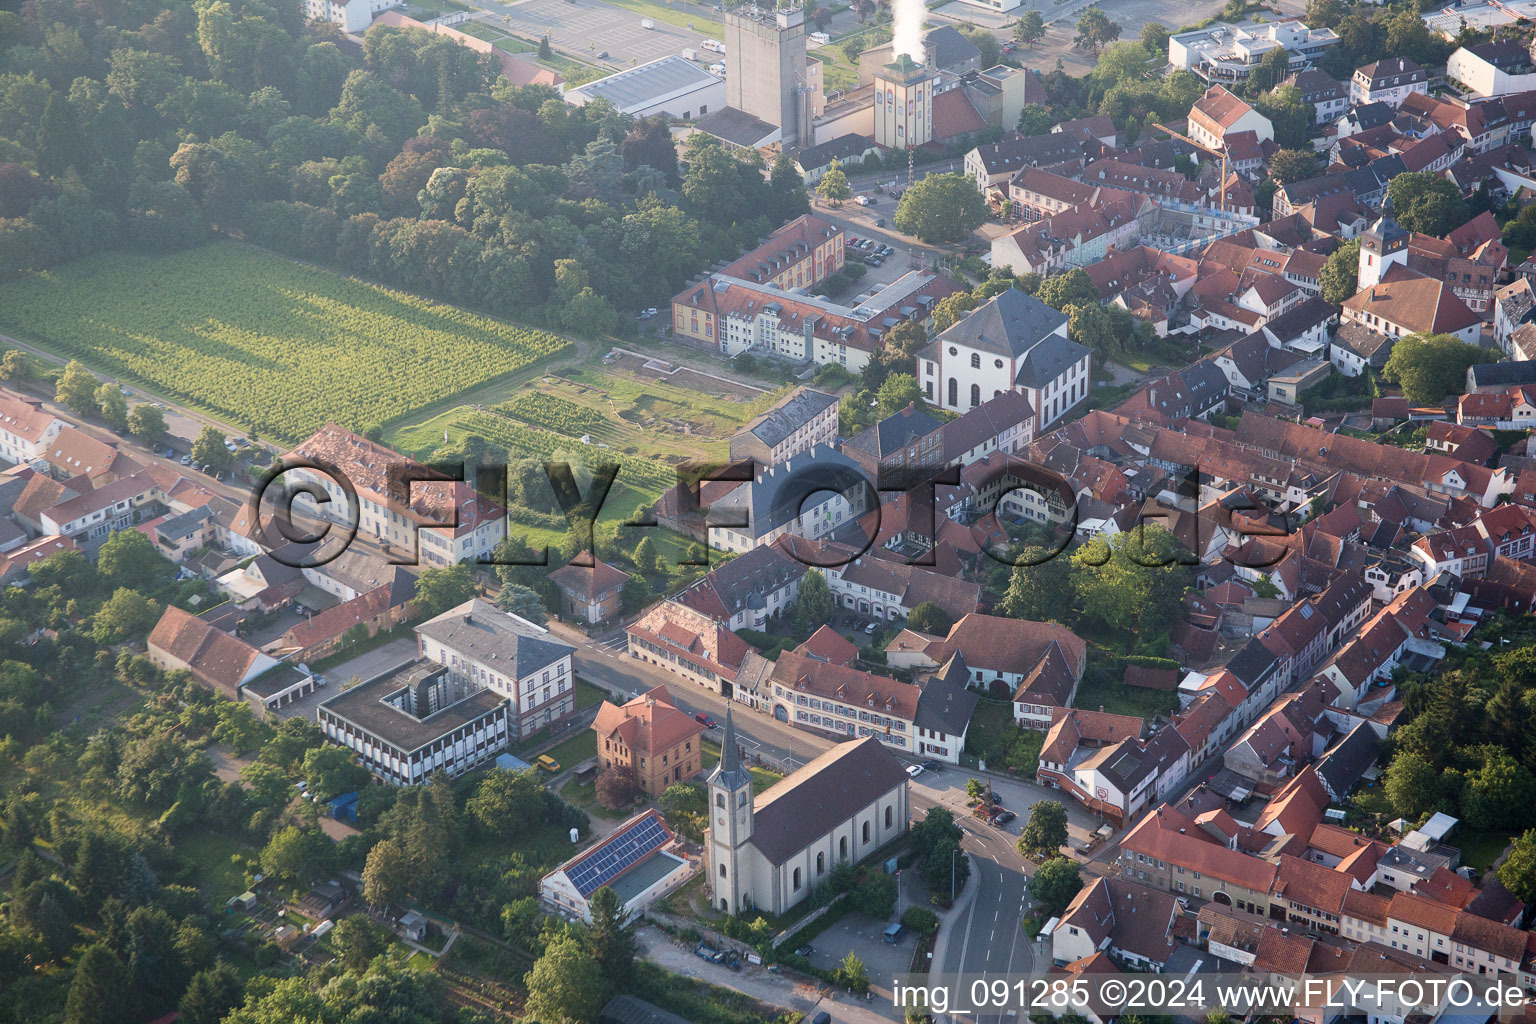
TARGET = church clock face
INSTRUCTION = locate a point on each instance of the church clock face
(720, 822)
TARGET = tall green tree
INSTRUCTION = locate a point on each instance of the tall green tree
(100, 992)
(1518, 872)
(1074, 288)
(1095, 30)
(1411, 785)
(929, 618)
(112, 406)
(1425, 202)
(833, 186)
(1040, 587)
(814, 602)
(899, 391)
(210, 995)
(1046, 831)
(77, 388)
(566, 985)
(1339, 277)
(386, 875)
(610, 939)
(147, 422)
(440, 589)
(1054, 885)
(1429, 367)
(1030, 29)
(941, 208)
(208, 449)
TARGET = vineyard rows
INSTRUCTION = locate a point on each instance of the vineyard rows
(640, 473)
(553, 413)
(276, 346)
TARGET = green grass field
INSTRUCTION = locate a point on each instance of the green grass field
(258, 340)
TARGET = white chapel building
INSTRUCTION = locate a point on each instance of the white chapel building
(1012, 342)
(768, 852)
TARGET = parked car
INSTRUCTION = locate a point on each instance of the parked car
(863, 200)
(931, 766)
(873, 261)
(805, 950)
(880, 222)
(1002, 818)
(886, 250)
(186, 460)
(869, 630)
(914, 770)
(704, 720)
(547, 763)
(602, 54)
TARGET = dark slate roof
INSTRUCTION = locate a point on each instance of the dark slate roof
(1252, 663)
(364, 706)
(1372, 115)
(777, 495)
(1205, 384)
(185, 524)
(633, 1010)
(1502, 374)
(482, 631)
(1048, 360)
(893, 432)
(826, 792)
(1349, 759)
(1296, 321)
(795, 412)
(947, 703)
(735, 126)
(1030, 151)
(945, 47)
(1009, 324)
(842, 148)
(744, 581)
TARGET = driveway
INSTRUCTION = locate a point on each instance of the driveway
(365, 666)
(788, 991)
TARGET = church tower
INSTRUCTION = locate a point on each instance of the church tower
(1384, 244)
(730, 825)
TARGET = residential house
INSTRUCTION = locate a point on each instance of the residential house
(649, 739)
(591, 590)
(1132, 923)
(487, 648)
(797, 423)
(745, 591)
(1219, 113)
(1387, 81)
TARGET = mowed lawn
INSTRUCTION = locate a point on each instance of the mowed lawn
(259, 340)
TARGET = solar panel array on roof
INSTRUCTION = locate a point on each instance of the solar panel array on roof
(618, 852)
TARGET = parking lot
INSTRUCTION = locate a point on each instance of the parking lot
(864, 937)
(589, 27)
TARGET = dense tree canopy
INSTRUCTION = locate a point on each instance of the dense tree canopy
(941, 208)
(1430, 366)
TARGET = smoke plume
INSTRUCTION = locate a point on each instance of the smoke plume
(908, 29)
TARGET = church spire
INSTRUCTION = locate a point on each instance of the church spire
(729, 772)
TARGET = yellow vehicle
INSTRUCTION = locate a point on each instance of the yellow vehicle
(547, 763)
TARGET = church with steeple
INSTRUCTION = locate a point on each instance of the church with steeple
(768, 852)
(1404, 285)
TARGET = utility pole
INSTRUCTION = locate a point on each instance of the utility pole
(952, 874)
